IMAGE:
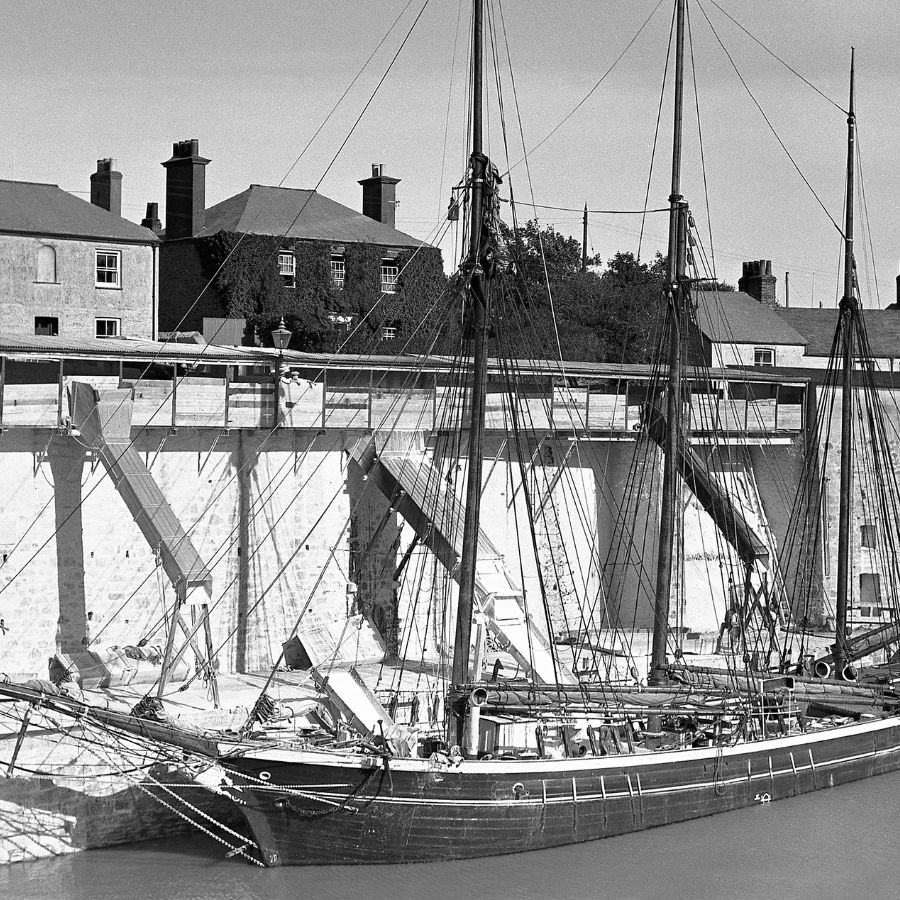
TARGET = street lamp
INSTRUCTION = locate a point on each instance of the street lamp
(281, 337)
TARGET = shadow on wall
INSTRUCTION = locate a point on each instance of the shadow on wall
(67, 458)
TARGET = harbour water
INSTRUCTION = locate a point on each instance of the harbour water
(835, 843)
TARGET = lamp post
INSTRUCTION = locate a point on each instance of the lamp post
(281, 337)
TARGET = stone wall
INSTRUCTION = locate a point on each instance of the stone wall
(72, 297)
(78, 569)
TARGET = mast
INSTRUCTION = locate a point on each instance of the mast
(848, 324)
(478, 320)
(584, 240)
(675, 277)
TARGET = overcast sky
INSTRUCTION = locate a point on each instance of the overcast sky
(252, 82)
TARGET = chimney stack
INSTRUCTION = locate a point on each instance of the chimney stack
(185, 190)
(379, 196)
(151, 220)
(106, 187)
(758, 281)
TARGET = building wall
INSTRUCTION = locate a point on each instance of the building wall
(742, 354)
(87, 573)
(184, 296)
(74, 298)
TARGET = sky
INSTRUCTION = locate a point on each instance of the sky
(254, 82)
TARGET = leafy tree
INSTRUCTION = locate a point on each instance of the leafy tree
(530, 246)
(608, 317)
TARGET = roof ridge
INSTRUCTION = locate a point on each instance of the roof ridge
(281, 187)
(36, 183)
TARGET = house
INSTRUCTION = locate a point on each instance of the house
(736, 329)
(73, 268)
(268, 252)
(747, 328)
(818, 328)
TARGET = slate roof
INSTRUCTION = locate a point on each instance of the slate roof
(274, 211)
(818, 326)
(28, 207)
(733, 317)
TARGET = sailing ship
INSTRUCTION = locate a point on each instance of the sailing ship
(554, 756)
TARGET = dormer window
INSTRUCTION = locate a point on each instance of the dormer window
(389, 274)
(287, 267)
(337, 271)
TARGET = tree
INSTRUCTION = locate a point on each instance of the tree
(531, 246)
(608, 317)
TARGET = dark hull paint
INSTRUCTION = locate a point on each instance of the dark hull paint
(304, 813)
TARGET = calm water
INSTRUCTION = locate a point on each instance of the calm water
(838, 843)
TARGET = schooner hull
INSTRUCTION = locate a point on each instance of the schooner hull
(317, 809)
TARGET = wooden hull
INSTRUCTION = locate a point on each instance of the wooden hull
(314, 808)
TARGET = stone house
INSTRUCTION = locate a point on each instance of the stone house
(743, 327)
(75, 269)
(281, 221)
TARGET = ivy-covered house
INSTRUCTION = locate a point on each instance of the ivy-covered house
(341, 279)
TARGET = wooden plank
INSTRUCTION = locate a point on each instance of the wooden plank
(761, 416)
(303, 404)
(152, 402)
(201, 402)
(408, 409)
(35, 405)
(608, 411)
(251, 404)
(570, 408)
(346, 408)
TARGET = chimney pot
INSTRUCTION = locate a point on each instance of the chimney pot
(758, 281)
(151, 219)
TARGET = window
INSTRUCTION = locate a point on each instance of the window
(869, 588)
(763, 356)
(46, 325)
(388, 332)
(341, 322)
(287, 267)
(868, 534)
(389, 273)
(46, 264)
(108, 274)
(337, 271)
(108, 327)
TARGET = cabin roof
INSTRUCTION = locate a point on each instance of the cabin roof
(28, 207)
(296, 213)
(733, 317)
(818, 327)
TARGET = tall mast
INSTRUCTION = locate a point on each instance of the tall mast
(675, 277)
(848, 316)
(478, 319)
